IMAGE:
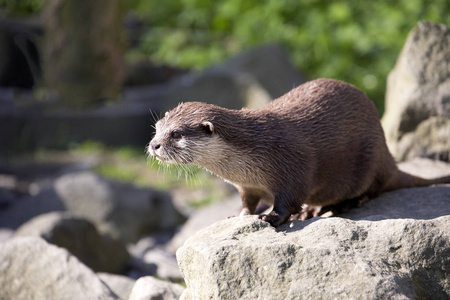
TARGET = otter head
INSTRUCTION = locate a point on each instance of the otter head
(183, 135)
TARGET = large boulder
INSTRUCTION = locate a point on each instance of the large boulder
(81, 238)
(250, 79)
(418, 88)
(395, 247)
(219, 86)
(270, 65)
(30, 268)
(118, 209)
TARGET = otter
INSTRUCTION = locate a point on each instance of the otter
(320, 145)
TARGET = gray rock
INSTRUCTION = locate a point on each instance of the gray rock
(204, 217)
(166, 264)
(150, 258)
(394, 247)
(250, 79)
(121, 210)
(219, 86)
(425, 168)
(430, 139)
(418, 87)
(270, 65)
(119, 284)
(31, 268)
(149, 288)
(5, 234)
(46, 200)
(147, 243)
(81, 238)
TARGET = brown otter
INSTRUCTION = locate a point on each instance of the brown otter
(320, 144)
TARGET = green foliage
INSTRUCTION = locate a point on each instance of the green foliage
(21, 6)
(356, 41)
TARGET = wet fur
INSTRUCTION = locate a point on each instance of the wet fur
(320, 144)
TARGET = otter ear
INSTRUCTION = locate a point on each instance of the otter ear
(208, 127)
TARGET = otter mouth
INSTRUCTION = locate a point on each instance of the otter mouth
(161, 158)
(166, 160)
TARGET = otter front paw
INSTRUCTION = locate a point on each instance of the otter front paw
(274, 218)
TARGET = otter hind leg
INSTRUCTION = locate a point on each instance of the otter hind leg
(310, 211)
(344, 206)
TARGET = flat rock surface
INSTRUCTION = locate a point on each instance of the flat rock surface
(394, 247)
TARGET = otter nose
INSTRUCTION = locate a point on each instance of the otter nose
(155, 145)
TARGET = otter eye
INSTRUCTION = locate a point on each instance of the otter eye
(175, 134)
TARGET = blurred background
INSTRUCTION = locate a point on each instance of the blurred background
(82, 83)
(89, 55)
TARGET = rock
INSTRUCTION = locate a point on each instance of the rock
(204, 217)
(81, 238)
(121, 210)
(419, 88)
(149, 288)
(46, 200)
(166, 264)
(5, 234)
(270, 66)
(30, 268)
(250, 79)
(145, 73)
(147, 243)
(219, 86)
(430, 139)
(426, 168)
(119, 284)
(150, 258)
(394, 247)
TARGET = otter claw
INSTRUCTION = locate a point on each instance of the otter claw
(273, 218)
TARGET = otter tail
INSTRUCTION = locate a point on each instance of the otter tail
(404, 180)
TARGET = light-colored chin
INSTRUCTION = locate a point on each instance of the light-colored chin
(158, 157)
(166, 160)
(163, 159)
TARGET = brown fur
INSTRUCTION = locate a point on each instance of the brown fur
(320, 144)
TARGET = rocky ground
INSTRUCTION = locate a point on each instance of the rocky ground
(83, 234)
(74, 225)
